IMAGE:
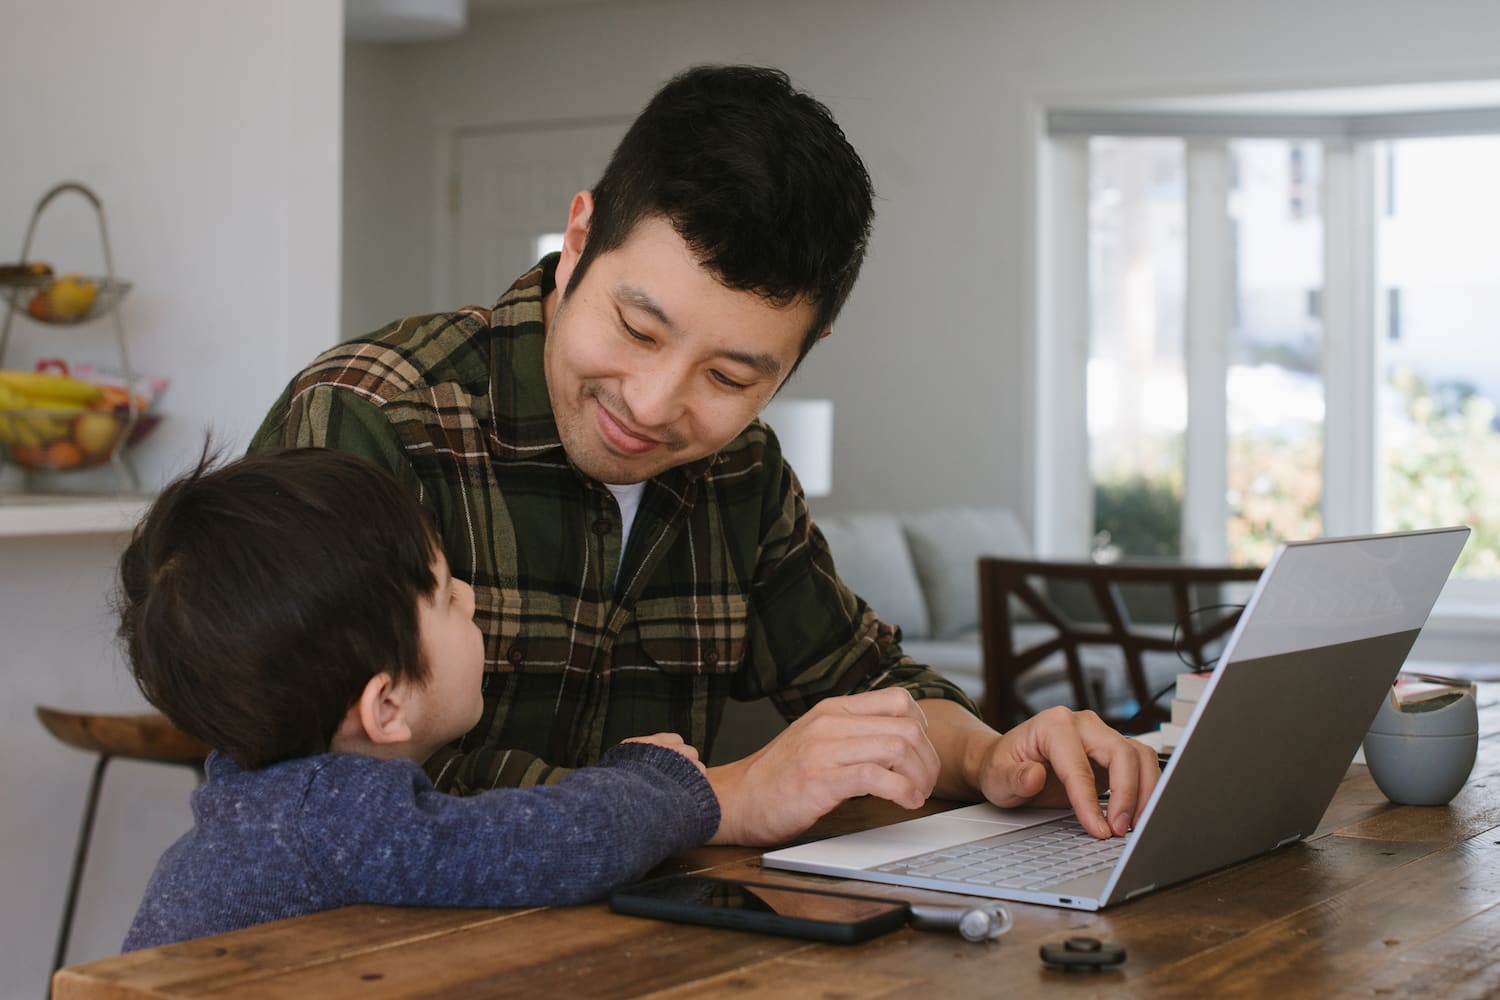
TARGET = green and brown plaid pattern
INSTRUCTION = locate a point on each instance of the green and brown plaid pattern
(727, 589)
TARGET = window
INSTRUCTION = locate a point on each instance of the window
(1137, 388)
(1439, 377)
(1275, 374)
(1291, 331)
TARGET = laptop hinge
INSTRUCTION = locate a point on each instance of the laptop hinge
(1287, 840)
(1136, 892)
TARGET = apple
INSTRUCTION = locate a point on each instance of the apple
(71, 297)
(95, 433)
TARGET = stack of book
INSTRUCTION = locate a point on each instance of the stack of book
(1190, 688)
(1412, 688)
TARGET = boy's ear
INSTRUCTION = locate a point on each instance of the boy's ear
(381, 709)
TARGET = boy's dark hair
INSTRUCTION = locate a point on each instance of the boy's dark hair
(755, 176)
(258, 599)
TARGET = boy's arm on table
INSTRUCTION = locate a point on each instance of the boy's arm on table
(406, 844)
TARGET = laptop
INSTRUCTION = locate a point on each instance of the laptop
(1320, 642)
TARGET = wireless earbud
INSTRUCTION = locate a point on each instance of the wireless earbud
(979, 923)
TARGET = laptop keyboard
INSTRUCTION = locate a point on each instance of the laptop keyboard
(1050, 853)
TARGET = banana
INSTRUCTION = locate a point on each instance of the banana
(10, 399)
(38, 430)
(50, 387)
(36, 408)
(54, 403)
(33, 430)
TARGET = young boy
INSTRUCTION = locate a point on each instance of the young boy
(294, 610)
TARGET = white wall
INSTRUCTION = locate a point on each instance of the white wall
(211, 130)
(930, 366)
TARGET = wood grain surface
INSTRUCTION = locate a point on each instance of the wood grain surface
(1382, 900)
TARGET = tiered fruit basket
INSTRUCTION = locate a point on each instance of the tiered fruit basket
(56, 418)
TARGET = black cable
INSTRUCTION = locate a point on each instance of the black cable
(1140, 714)
(1177, 636)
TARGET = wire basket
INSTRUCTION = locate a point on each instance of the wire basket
(36, 298)
(60, 438)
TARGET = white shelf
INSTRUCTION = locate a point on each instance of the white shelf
(28, 515)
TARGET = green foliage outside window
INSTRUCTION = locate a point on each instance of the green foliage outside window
(1137, 518)
(1445, 469)
(1275, 494)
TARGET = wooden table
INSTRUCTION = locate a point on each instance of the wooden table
(1383, 900)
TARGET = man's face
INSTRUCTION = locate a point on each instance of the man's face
(651, 363)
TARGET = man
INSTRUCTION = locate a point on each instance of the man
(638, 549)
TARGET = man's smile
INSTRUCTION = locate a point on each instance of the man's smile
(620, 437)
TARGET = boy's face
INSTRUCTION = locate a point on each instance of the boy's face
(453, 649)
(651, 363)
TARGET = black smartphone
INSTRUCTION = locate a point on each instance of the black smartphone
(757, 906)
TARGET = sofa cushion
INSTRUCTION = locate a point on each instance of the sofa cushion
(960, 660)
(946, 546)
(870, 553)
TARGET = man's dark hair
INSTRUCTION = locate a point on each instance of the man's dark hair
(755, 176)
(258, 599)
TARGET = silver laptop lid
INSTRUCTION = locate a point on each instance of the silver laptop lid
(1323, 636)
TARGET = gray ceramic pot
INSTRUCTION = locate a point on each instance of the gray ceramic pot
(1422, 753)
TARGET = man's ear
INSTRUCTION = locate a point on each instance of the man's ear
(382, 711)
(580, 214)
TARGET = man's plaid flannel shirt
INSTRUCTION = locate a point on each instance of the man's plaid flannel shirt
(727, 588)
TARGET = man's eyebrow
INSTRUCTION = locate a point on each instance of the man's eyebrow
(765, 364)
(641, 299)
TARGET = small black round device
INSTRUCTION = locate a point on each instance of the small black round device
(1083, 954)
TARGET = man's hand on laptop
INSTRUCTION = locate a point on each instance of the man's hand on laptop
(1057, 757)
(872, 743)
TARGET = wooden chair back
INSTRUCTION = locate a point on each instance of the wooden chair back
(1197, 622)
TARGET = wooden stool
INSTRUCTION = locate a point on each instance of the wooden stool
(147, 736)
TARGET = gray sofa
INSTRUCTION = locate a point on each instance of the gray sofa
(918, 571)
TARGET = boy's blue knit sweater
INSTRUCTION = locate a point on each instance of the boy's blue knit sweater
(321, 832)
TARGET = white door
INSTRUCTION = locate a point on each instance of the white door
(511, 190)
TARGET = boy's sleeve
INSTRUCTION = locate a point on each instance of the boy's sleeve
(379, 833)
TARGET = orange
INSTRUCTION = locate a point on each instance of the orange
(29, 456)
(64, 455)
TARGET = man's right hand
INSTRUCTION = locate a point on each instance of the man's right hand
(873, 743)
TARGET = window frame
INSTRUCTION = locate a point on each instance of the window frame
(1351, 310)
